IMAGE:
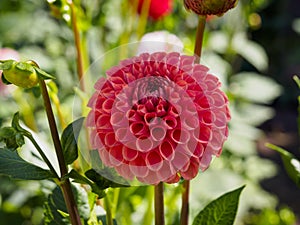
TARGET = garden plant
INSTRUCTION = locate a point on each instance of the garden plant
(135, 112)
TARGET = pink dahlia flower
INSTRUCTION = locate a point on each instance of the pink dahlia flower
(158, 117)
(157, 9)
(5, 54)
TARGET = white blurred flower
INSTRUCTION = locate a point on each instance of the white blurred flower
(160, 41)
(5, 54)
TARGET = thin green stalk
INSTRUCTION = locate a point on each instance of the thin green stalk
(65, 184)
(184, 219)
(143, 18)
(147, 220)
(159, 204)
(76, 33)
(44, 157)
(109, 219)
(116, 194)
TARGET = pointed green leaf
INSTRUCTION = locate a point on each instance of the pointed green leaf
(69, 140)
(221, 211)
(291, 164)
(11, 164)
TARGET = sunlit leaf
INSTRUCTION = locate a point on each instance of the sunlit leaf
(11, 164)
(221, 211)
(69, 140)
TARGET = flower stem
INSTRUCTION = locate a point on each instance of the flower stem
(65, 183)
(159, 204)
(199, 38)
(76, 33)
(184, 219)
(185, 203)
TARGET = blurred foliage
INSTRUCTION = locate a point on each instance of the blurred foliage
(42, 32)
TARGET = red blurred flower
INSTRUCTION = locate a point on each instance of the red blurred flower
(5, 54)
(157, 9)
(158, 117)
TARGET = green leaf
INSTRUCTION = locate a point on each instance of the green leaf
(78, 178)
(69, 140)
(101, 181)
(251, 51)
(55, 210)
(291, 163)
(11, 164)
(106, 173)
(254, 87)
(221, 211)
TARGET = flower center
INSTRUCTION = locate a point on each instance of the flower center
(154, 84)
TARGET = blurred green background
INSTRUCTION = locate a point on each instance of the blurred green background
(255, 50)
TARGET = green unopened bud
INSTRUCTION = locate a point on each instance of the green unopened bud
(21, 74)
(210, 7)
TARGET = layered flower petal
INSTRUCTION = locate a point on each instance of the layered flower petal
(158, 117)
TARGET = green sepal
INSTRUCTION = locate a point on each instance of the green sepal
(221, 211)
(4, 81)
(69, 140)
(13, 136)
(25, 67)
(12, 165)
(16, 124)
(42, 74)
(7, 132)
(6, 64)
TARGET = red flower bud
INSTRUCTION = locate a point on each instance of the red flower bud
(157, 8)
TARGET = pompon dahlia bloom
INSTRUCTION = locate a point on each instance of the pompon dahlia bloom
(158, 117)
(157, 8)
(5, 54)
(210, 7)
